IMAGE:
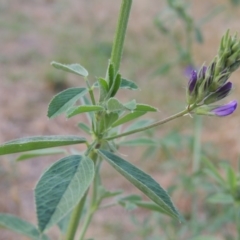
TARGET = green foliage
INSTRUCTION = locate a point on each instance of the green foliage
(61, 195)
(143, 182)
(72, 68)
(61, 187)
(82, 109)
(64, 100)
(20, 226)
(33, 143)
(128, 84)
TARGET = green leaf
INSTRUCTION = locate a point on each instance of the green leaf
(109, 119)
(20, 226)
(130, 198)
(143, 182)
(61, 187)
(103, 193)
(221, 198)
(63, 223)
(128, 117)
(116, 85)
(145, 108)
(113, 105)
(64, 100)
(85, 128)
(138, 141)
(72, 68)
(82, 109)
(150, 206)
(137, 200)
(90, 115)
(40, 153)
(129, 202)
(128, 84)
(103, 85)
(131, 105)
(111, 75)
(39, 142)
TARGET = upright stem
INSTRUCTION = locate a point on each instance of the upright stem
(95, 201)
(116, 55)
(74, 220)
(118, 42)
(75, 217)
(195, 166)
(197, 144)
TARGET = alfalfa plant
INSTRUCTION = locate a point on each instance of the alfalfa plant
(64, 186)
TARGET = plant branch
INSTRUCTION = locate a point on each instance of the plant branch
(177, 115)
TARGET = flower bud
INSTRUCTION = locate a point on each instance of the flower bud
(221, 93)
(217, 110)
(191, 93)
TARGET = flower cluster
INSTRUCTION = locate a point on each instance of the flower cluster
(210, 85)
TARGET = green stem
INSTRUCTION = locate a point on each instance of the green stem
(197, 144)
(195, 167)
(94, 203)
(177, 115)
(75, 217)
(118, 42)
(86, 223)
(90, 90)
(74, 220)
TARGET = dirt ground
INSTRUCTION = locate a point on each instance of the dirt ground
(33, 33)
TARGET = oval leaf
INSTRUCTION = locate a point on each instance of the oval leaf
(125, 83)
(90, 115)
(145, 108)
(81, 109)
(113, 105)
(103, 85)
(131, 105)
(20, 226)
(64, 100)
(72, 68)
(61, 188)
(143, 182)
(34, 143)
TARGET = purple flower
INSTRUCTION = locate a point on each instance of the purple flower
(226, 109)
(188, 71)
(221, 93)
(192, 81)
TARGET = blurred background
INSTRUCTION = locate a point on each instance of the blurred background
(161, 42)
